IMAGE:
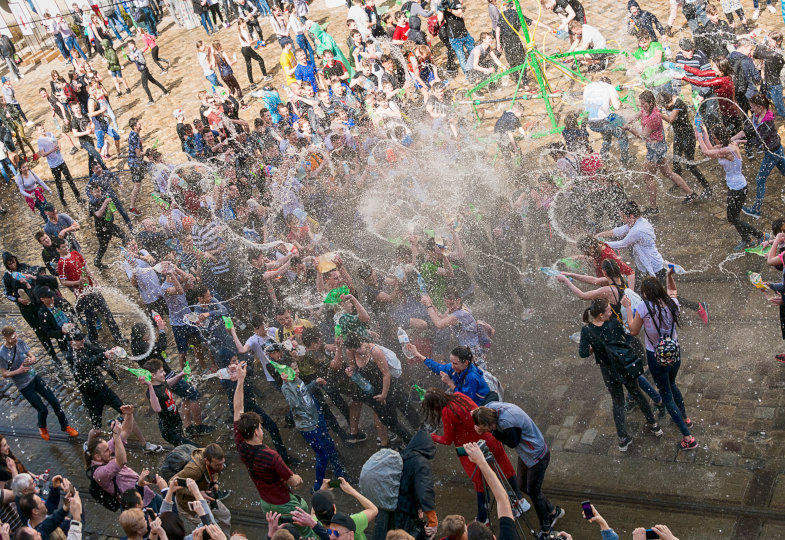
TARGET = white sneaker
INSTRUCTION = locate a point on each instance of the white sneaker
(150, 447)
(771, 8)
(755, 15)
(29, 123)
(520, 507)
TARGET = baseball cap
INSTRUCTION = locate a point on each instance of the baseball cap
(339, 518)
(323, 505)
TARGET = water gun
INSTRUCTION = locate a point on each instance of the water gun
(549, 271)
(757, 281)
(419, 391)
(334, 296)
(139, 372)
(761, 250)
(227, 322)
(286, 372)
(570, 263)
(157, 198)
(187, 370)
(110, 210)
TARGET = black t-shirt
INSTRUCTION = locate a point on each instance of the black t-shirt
(681, 124)
(456, 26)
(507, 530)
(168, 414)
(82, 124)
(577, 7)
(102, 222)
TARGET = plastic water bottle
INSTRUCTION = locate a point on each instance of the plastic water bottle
(157, 318)
(403, 339)
(363, 383)
(421, 284)
(676, 268)
(223, 373)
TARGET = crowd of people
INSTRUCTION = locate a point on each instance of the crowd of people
(253, 262)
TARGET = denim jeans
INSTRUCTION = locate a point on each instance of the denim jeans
(33, 393)
(61, 47)
(263, 7)
(7, 168)
(72, 44)
(118, 24)
(212, 78)
(645, 385)
(326, 453)
(92, 155)
(207, 24)
(462, 47)
(770, 160)
(775, 95)
(305, 45)
(665, 379)
(148, 18)
(612, 127)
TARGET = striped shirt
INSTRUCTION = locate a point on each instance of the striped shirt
(266, 468)
(208, 238)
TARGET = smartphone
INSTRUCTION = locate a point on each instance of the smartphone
(588, 513)
(651, 534)
(285, 519)
(181, 482)
(150, 513)
(334, 483)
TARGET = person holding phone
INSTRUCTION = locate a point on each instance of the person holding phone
(323, 504)
(204, 469)
(593, 516)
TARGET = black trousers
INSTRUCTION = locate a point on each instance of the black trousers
(33, 393)
(95, 399)
(105, 236)
(93, 306)
(530, 482)
(736, 198)
(684, 147)
(615, 383)
(157, 60)
(250, 54)
(60, 172)
(444, 36)
(147, 77)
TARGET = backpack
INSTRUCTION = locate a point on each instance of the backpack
(667, 351)
(106, 499)
(380, 478)
(625, 357)
(176, 460)
(740, 82)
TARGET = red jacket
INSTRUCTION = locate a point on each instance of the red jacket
(457, 422)
(723, 87)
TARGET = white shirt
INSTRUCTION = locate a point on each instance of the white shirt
(207, 69)
(358, 14)
(45, 144)
(295, 25)
(257, 343)
(598, 97)
(643, 241)
(591, 38)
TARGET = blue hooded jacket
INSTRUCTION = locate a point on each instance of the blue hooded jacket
(470, 382)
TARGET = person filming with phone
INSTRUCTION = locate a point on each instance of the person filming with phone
(204, 468)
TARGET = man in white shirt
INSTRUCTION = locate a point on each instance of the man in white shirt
(205, 61)
(49, 147)
(256, 344)
(358, 14)
(599, 97)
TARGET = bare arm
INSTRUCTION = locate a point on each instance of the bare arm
(239, 393)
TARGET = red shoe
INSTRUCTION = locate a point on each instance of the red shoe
(703, 313)
(688, 444)
(44, 433)
(780, 358)
(71, 431)
(688, 421)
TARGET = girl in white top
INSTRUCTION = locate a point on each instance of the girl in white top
(727, 152)
(32, 188)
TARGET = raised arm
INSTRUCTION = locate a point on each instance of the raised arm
(239, 392)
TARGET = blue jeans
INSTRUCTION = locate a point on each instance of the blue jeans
(72, 44)
(61, 47)
(263, 6)
(324, 448)
(305, 45)
(33, 393)
(645, 385)
(118, 24)
(775, 95)
(462, 47)
(7, 169)
(148, 18)
(212, 78)
(770, 160)
(665, 379)
(612, 127)
(207, 24)
(755, 3)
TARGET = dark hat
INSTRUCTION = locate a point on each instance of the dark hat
(344, 521)
(323, 504)
(686, 44)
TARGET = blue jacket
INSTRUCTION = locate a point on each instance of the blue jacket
(469, 382)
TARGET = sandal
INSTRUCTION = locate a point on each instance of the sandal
(688, 444)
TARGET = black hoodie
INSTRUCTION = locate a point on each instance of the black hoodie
(416, 490)
(416, 35)
(12, 286)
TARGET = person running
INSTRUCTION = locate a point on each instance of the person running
(727, 153)
(658, 315)
(453, 411)
(513, 427)
(605, 336)
(653, 133)
(137, 57)
(49, 147)
(17, 363)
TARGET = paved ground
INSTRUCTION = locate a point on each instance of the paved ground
(731, 487)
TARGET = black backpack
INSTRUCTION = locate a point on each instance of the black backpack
(107, 500)
(6, 47)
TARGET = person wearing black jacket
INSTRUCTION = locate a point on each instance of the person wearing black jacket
(49, 252)
(416, 492)
(86, 362)
(773, 62)
(643, 21)
(713, 36)
(604, 336)
(53, 314)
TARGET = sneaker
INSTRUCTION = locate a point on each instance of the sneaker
(71, 431)
(155, 448)
(780, 358)
(520, 507)
(755, 14)
(771, 8)
(624, 444)
(654, 429)
(355, 438)
(558, 514)
(703, 312)
(751, 212)
(689, 198)
(44, 433)
(688, 421)
(688, 444)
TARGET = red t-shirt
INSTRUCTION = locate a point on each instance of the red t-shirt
(70, 268)
(401, 32)
(608, 253)
(267, 470)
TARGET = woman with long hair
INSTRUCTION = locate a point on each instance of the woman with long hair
(453, 412)
(10, 466)
(658, 315)
(150, 44)
(605, 336)
(722, 147)
(225, 70)
(32, 188)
